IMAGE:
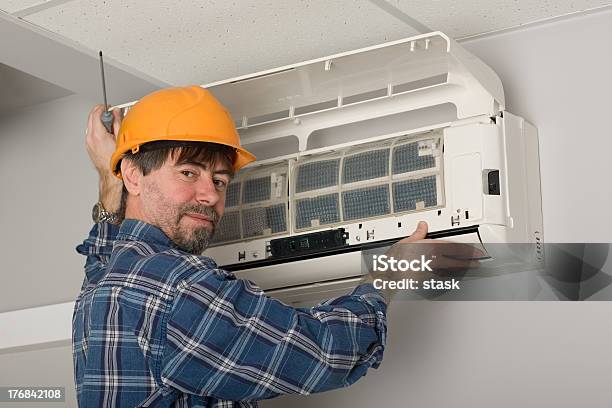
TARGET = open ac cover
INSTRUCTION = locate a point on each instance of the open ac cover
(360, 146)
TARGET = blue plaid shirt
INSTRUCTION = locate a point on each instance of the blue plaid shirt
(155, 326)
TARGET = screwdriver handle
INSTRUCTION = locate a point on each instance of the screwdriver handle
(107, 120)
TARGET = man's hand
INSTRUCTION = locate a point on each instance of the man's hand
(447, 258)
(99, 143)
(100, 146)
(419, 234)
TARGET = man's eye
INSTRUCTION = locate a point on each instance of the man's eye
(188, 174)
(220, 184)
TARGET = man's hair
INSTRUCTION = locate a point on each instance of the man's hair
(151, 156)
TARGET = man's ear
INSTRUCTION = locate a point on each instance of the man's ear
(132, 177)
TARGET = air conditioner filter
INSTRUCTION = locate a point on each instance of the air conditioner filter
(413, 156)
(264, 220)
(232, 195)
(229, 228)
(257, 189)
(412, 194)
(317, 175)
(365, 166)
(366, 202)
(312, 212)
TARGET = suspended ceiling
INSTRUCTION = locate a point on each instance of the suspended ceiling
(170, 42)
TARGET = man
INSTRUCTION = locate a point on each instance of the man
(158, 325)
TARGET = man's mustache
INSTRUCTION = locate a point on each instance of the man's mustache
(208, 212)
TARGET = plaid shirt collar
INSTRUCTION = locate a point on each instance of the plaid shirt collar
(136, 230)
(132, 230)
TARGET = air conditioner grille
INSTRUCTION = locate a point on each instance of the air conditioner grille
(229, 228)
(352, 184)
(415, 194)
(317, 175)
(366, 202)
(312, 212)
(414, 156)
(232, 195)
(257, 189)
(365, 166)
(384, 177)
(262, 220)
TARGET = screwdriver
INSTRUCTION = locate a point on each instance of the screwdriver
(107, 117)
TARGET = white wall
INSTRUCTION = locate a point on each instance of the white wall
(48, 188)
(48, 367)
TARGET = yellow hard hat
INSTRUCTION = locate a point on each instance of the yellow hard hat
(188, 114)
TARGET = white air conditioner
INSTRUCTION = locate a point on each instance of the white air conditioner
(354, 149)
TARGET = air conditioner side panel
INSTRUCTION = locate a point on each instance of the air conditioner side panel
(522, 184)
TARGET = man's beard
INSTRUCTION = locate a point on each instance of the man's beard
(167, 217)
(198, 240)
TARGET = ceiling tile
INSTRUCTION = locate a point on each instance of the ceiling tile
(11, 6)
(466, 18)
(204, 41)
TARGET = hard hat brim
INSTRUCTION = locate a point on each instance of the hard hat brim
(243, 156)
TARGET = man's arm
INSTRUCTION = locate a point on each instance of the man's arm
(100, 145)
(226, 339)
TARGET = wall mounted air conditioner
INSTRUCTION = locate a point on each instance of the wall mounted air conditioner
(354, 149)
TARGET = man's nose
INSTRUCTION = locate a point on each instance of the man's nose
(206, 192)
